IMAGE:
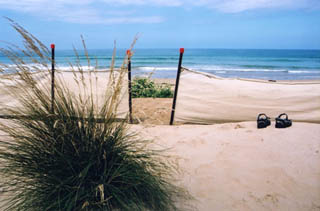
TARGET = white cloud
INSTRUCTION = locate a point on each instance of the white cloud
(234, 6)
(224, 5)
(123, 11)
(77, 11)
(168, 3)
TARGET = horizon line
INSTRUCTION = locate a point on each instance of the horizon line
(198, 48)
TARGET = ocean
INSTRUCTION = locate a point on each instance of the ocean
(230, 63)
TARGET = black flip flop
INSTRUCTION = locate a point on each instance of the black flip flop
(283, 123)
(263, 121)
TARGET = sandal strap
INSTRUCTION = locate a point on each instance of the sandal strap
(262, 114)
(283, 114)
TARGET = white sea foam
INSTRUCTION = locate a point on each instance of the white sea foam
(68, 68)
(150, 69)
(222, 69)
(215, 69)
(235, 69)
(221, 72)
(11, 68)
(302, 71)
(37, 67)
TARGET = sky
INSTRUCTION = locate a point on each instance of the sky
(239, 24)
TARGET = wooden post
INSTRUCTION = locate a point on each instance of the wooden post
(129, 86)
(52, 77)
(176, 86)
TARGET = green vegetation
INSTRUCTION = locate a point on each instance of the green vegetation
(145, 87)
(69, 160)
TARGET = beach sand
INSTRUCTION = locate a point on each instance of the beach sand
(235, 166)
(152, 110)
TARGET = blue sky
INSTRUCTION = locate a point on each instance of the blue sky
(275, 24)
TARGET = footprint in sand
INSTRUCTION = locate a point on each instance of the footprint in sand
(205, 169)
(238, 126)
(198, 142)
(273, 198)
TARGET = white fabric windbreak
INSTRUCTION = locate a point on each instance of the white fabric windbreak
(205, 99)
(99, 81)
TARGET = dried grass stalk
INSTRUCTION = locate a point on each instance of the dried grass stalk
(69, 160)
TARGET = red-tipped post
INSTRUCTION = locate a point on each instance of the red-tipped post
(129, 53)
(129, 85)
(176, 86)
(52, 77)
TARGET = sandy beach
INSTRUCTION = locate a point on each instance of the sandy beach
(235, 166)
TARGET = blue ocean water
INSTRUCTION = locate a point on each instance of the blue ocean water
(243, 63)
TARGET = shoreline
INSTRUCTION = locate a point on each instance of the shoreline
(172, 81)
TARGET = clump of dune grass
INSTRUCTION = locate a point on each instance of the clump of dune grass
(81, 157)
(145, 87)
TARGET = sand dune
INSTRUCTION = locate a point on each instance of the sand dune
(235, 166)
